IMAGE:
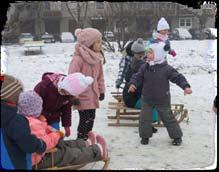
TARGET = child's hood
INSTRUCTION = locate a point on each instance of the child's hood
(52, 77)
(158, 36)
(159, 53)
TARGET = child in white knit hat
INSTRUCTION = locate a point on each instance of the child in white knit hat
(155, 75)
(161, 34)
(59, 93)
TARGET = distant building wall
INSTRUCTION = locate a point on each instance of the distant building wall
(57, 15)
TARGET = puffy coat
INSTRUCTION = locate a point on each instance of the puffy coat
(155, 80)
(55, 106)
(45, 132)
(17, 142)
(89, 63)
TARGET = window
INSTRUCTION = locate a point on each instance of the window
(182, 22)
(185, 22)
(120, 25)
(47, 5)
(188, 22)
(99, 5)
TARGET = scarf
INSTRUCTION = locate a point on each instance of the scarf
(87, 54)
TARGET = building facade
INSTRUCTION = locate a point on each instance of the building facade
(133, 19)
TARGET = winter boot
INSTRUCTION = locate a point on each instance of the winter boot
(91, 138)
(102, 145)
(154, 130)
(177, 141)
(144, 141)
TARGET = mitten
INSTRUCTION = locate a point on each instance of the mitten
(173, 53)
(75, 101)
(61, 133)
(42, 118)
(67, 131)
(167, 47)
(102, 95)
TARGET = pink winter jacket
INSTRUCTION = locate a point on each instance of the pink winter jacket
(43, 131)
(89, 63)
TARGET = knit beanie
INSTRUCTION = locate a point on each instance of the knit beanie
(162, 24)
(159, 52)
(75, 83)
(138, 46)
(11, 87)
(87, 36)
(128, 49)
(30, 104)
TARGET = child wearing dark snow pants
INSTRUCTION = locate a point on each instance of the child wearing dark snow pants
(155, 76)
(69, 152)
(133, 100)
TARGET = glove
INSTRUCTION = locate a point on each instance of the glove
(117, 86)
(67, 131)
(173, 53)
(187, 91)
(167, 47)
(102, 95)
(42, 118)
(75, 101)
(61, 134)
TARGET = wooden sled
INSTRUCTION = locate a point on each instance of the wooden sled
(69, 167)
(126, 113)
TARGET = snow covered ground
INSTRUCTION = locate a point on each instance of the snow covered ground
(198, 150)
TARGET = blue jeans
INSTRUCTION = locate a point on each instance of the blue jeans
(154, 110)
(55, 125)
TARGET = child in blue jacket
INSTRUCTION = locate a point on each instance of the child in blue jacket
(17, 142)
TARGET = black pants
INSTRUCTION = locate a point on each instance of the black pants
(86, 122)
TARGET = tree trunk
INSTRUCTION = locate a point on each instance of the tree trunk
(69, 10)
(85, 14)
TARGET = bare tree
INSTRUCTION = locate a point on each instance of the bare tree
(39, 18)
(204, 13)
(19, 14)
(79, 13)
(122, 12)
(117, 13)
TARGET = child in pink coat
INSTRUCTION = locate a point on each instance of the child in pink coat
(69, 152)
(88, 60)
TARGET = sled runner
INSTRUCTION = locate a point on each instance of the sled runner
(126, 113)
(69, 167)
